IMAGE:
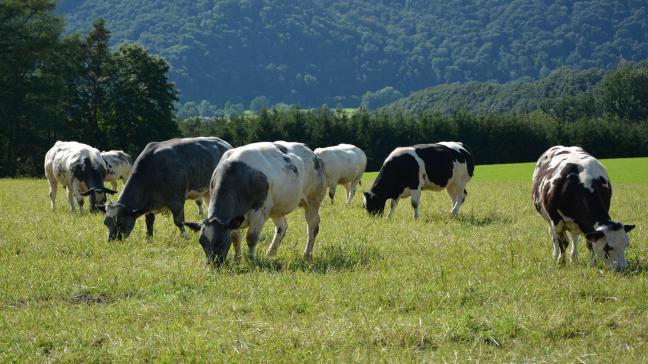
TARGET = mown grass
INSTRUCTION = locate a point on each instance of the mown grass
(478, 287)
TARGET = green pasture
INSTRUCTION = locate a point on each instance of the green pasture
(479, 287)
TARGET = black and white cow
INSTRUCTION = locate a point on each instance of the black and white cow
(164, 175)
(409, 170)
(344, 165)
(572, 191)
(80, 169)
(256, 182)
(118, 166)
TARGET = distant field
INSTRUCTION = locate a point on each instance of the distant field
(481, 286)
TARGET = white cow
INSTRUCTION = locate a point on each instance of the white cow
(80, 169)
(344, 165)
(118, 166)
(259, 181)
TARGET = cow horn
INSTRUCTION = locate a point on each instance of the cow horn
(86, 193)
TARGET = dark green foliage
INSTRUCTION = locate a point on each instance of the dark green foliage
(315, 51)
(54, 88)
(492, 138)
(382, 97)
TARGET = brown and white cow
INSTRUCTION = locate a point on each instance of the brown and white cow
(409, 170)
(572, 191)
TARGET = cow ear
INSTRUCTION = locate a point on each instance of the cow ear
(236, 222)
(195, 226)
(628, 228)
(595, 235)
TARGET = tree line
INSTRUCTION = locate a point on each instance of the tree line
(56, 87)
(495, 138)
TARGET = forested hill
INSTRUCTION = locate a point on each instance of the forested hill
(493, 98)
(332, 51)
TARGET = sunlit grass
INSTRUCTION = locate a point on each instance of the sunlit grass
(480, 286)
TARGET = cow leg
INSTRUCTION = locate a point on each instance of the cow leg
(281, 226)
(114, 185)
(199, 203)
(257, 220)
(236, 241)
(331, 193)
(150, 220)
(352, 190)
(592, 253)
(456, 194)
(178, 217)
(574, 250)
(70, 197)
(53, 185)
(311, 213)
(416, 200)
(394, 204)
(560, 244)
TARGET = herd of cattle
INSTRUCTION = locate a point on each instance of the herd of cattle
(247, 185)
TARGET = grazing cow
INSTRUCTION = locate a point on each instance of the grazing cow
(409, 170)
(118, 166)
(255, 182)
(164, 175)
(80, 169)
(344, 165)
(572, 191)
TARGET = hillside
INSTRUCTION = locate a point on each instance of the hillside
(332, 51)
(494, 98)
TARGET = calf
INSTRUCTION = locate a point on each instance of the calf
(572, 191)
(164, 175)
(118, 166)
(256, 182)
(80, 169)
(344, 165)
(409, 170)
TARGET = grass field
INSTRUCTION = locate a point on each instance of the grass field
(478, 287)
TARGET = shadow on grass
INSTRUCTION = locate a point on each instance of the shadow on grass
(471, 218)
(329, 258)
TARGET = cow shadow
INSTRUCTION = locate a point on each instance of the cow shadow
(472, 218)
(329, 258)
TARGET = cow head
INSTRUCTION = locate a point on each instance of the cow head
(215, 237)
(97, 197)
(120, 220)
(375, 205)
(610, 242)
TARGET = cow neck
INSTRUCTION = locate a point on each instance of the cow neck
(593, 215)
(136, 193)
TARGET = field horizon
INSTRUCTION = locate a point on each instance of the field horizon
(478, 287)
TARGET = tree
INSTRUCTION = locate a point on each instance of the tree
(30, 88)
(259, 103)
(624, 92)
(382, 97)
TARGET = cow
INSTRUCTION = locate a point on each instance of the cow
(118, 166)
(80, 169)
(344, 165)
(409, 170)
(572, 192)
(256, 182)
(164, 175)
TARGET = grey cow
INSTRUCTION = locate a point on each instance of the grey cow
(164, 175)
